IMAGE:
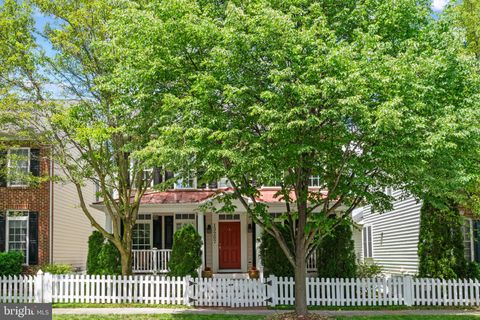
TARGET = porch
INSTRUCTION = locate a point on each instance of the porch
(156, 261)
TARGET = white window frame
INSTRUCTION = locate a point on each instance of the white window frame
(313, 178)
(192, 221)
(8, 218)
(9, 166)
(150, 238)
(365, 242)
(470, 235)
(179, 184)
(150, 171)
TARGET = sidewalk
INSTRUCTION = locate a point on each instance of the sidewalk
(239, 311)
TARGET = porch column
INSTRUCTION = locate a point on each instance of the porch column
(258, 236)
(108, 223)
(201, 232)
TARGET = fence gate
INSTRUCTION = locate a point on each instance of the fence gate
(227, 292)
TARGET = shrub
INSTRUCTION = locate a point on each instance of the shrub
(369, 270)
(11, 263)
(440, 246)
(57, 268)
(472, 271)
(274, 260)
(336, 254)
(95, 244)
(109, 260)
(186, 255)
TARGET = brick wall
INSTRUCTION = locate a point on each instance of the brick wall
(32, 199)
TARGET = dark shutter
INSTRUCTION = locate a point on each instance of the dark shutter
(3, 168)
(33, 238)
(35, 162)
(157, 232)
(157, 176)
(168, 232)
(168, 175)
(2, 231)
(476, 241)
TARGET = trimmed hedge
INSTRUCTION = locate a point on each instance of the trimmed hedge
(336, 254)
(11, 263)
(274, 260)
(440, 246)
(186, 256)
(103, 257)
(57, 268)
(95, 244)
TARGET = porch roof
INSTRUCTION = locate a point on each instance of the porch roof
(192, 196)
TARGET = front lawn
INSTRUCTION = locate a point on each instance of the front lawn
(242, 317)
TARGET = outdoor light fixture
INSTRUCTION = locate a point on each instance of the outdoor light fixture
(209, 229)
(249, 228)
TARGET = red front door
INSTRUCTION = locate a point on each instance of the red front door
(229, 245)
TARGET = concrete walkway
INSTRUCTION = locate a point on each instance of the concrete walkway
(105, 311)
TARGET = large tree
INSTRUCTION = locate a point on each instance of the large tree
(361, 94)
(94, 130)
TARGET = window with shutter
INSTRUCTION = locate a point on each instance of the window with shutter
(17, 233)
(18, 167)
(367, 243)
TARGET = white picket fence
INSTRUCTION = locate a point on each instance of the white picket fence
(221, 292)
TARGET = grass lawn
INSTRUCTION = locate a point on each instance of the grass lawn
(240, 317)
(119, 305)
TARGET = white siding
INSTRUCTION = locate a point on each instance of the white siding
(395, 236)
(71, 228)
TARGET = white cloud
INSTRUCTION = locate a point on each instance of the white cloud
(438, 5)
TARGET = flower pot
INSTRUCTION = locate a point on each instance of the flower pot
(207, 274)
(254, 274)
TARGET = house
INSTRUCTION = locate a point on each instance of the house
(42, 219)
(390, 239)
(230, 241)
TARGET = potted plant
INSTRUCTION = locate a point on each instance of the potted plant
(207, 273)
(253, 273)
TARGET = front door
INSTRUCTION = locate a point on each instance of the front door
(229, 247)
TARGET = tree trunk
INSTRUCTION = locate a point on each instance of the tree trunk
(300, 281)
(126, 260)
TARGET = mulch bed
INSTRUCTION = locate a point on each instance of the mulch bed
(294, 316)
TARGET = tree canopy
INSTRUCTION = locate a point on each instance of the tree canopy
(362, 95)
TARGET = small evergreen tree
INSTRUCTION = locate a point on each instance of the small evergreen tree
(440, 246)
(186, 255)
(336, 254)
(109, 260)
(274, 260)
(95, 244)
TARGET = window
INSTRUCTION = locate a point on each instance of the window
(467, 230)
(18, 166)
(182, 219)
(314, 181)
(142, 232)
(224, 183)
(17, 232)
(187, 183)
(228, 217)
(147, 176)
(388, 191)
(367, 246)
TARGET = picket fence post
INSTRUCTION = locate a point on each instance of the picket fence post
(186, 290)
(39, 287)
(408, 290)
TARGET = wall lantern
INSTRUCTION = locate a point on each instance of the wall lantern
(249, 228)
(209, 229)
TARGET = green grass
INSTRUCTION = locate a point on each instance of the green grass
(375, 308)
(158, 317)
(119, 305)
(241, 317)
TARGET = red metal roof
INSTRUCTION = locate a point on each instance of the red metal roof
(179, 196)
